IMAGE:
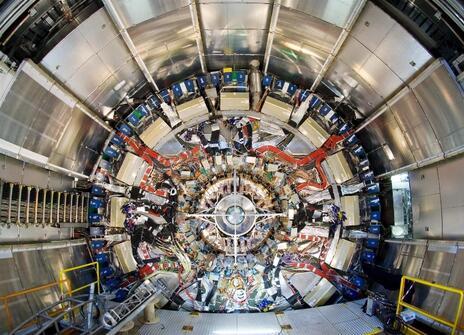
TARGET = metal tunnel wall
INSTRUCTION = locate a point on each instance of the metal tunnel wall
(422, 124)
(435, 261)
(438, 201)
(29, 265)
(45, 125)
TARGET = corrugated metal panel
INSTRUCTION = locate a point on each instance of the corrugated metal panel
(10, 282)
(234, 30)
(42, 120)
(437, 268)
(367, 64)
(133, 12)
(426, 212)
(167, 46)
(302, 40)
(34, 273)
(442, 102)
(332, 11)
(90, 62)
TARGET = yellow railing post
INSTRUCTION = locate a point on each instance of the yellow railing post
(454, 325)
(7, 297)
(63, 273)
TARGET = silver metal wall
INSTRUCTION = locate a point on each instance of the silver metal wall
(421, 124)
(438, 200)
(43, 124)
(92, 60)
(164, 36)
(436, 261)
(30, 265)
(234, 32)
(377, 58)
(18, 172)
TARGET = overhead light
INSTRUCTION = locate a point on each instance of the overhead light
(388, 152)
(119, 85)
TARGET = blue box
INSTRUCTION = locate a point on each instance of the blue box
(125, 129)
(368, 256)
(292, 89)
(373, 188)
(117, 140)
(201, 81)
(142, 109)
(325, 109)
(95, 203)
(165, 95)
(189, 84)
(359, 151)
(241, 77)
(97, 190)
(374, 201)
(154, 102)
(304, 95)
(375, 216)
(375, 229)
(372, 243)
(315, 101)
(367, 176)
(267, 81)
(279, 84)
(227, 78)
(215, 78)
(109, 151)
(351, 140)
(133, 119)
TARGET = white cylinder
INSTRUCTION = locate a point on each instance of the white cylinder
(150, 314)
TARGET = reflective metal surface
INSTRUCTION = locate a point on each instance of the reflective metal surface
(168, 46)
(332, 11)
(438, 203)
(43, 124)
(92, 60)
(26, 266)
(235, 215)
(134, 12)
(233, 30)
(366, 63)
(414, 124)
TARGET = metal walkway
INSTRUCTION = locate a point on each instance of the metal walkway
(65, 320)
(345, 319)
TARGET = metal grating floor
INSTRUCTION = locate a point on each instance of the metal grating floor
(328, 320)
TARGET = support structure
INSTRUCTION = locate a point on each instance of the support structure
(112, 11)
(339, 43)
(197, 32)
(270, 36)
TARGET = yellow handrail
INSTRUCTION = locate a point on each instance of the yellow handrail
(452, 324)
(5, 299)
(63, 277)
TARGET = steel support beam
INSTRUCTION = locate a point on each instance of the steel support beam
(197, 32)
(112, 11)
(339, 43)
(270, 36)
